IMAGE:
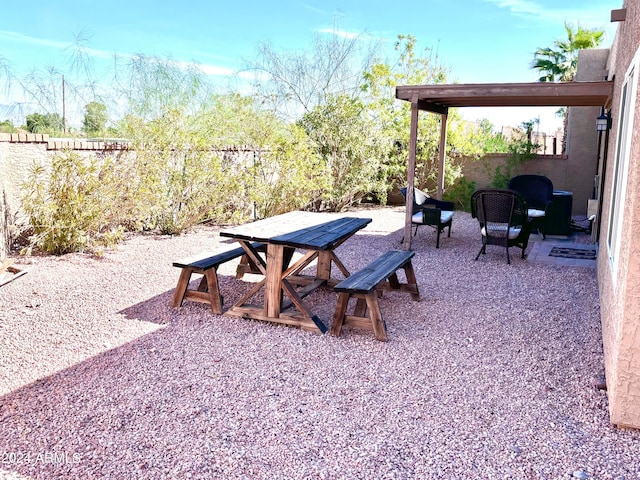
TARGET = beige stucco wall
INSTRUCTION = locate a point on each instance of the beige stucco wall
(582, 138)
(4, 234)
(565, 173)
(552, 166)
(620, 289)
(18, 153)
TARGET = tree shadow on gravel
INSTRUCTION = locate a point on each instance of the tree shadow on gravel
(480, 379)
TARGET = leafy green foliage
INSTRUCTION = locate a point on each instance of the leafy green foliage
(288, 175)
(394, 117)
(95, 118)
(69, 207)
(520, 150)
(460, 193)
(6, 126)
(50, 123)
(351, 150)
(559, 63)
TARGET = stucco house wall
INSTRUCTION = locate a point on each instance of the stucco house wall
(582, 139)
(620, 287)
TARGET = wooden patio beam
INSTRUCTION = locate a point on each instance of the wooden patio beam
(551, 94)
(432, 107)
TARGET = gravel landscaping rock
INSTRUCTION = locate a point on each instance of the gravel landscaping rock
(490, 375)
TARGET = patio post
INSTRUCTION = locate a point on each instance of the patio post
(442, 151)
(411, 171)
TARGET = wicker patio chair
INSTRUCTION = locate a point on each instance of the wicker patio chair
(503, 219)
(429, 211)
(537, 190)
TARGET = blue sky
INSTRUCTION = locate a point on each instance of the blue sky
(477, 40)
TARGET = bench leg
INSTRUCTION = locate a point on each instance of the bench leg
(339, 316)
(367, 302)
(208, 290)
(394, 282)
(246, 265)
(377, 322)
(181, 288)
(214, 290)
(203, 287)
(412, 282)
(361, 308)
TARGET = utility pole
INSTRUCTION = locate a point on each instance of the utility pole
(64, 110)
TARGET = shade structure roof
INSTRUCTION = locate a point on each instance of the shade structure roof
(438, 98)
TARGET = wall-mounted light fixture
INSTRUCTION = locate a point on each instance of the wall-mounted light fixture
(602, 122)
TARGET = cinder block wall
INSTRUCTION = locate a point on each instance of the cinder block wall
(559, 169)
(18, 153)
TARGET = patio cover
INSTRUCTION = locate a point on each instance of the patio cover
(439, 98)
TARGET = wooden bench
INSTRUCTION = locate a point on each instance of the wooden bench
(367, 285)
(208, 290)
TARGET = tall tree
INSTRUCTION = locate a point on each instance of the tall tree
(50, 123)
(294, 82)
(559, 63)
(95, 118)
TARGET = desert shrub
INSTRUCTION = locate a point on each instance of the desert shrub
(460, 193)
(288, 176)
(69, 206)
(178, 179)
(345, 140)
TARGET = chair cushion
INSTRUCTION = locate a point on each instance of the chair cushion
(500, 229)
(534, 213)
(419, 197)
(445, 216)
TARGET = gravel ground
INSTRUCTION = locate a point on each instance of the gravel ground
(491, 375)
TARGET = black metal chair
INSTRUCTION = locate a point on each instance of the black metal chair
(503, 219)
(429, 211)
(537, 190)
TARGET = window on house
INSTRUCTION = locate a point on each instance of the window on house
(623, 146)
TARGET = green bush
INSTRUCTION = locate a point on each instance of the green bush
(460, 193)
(68, 207)
(520, 150)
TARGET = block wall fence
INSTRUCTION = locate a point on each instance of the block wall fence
(20, 151)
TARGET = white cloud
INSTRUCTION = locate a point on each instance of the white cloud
(315, 9)
(207, 69)
(595, 15)
(340, 33)
(45, 42)
(20, 38)
(520, 6)
(213, 70)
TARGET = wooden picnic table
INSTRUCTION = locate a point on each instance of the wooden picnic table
(318, 234)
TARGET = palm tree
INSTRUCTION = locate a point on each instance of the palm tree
(559, 62)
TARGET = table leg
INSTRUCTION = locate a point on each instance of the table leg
(323, 269)
(273, 280)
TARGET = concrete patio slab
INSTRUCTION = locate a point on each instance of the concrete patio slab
(540, 250)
